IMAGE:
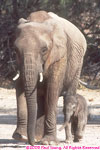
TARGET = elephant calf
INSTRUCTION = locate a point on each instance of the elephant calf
(75, 116)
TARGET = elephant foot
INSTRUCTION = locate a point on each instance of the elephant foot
(49, 140)
(68, 141)
(78, 136)
(77, 139)
(20, 135)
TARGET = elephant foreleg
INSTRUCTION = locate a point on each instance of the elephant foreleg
(40, 113)
(68, 133)
(50, 115)
(20, 132)
(21, 129)
(53, 88)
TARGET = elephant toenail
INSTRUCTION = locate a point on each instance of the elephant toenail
(68, 141)
(52, 143)
(45, 143)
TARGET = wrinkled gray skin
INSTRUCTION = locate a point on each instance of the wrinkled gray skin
(52, 45)
(75, 116)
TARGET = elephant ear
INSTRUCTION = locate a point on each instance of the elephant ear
(78, 109)
(59, 40)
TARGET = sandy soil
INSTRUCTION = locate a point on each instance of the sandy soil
(8, 121)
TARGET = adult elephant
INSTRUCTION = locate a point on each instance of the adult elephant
(51, 45)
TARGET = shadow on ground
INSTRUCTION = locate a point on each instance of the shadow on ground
(8, 119)
(5, 143)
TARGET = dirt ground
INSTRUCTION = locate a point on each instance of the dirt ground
(8, 121)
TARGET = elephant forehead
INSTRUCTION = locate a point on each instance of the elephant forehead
(25, 38)
(37, 35)
(70, 106)
(36, 26)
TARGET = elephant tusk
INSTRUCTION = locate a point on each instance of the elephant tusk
(17, 76)
(22, 21)
(83, 83)
(89, 86)
(41, 77)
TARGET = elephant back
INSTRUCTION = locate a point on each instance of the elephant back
(39, 16)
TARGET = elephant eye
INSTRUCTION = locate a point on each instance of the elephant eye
(44, 50)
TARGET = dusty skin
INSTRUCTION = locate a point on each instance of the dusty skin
(8, 120)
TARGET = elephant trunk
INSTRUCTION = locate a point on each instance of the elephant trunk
(67, 117)
(63, 126)
(67, 120)
(30, 76)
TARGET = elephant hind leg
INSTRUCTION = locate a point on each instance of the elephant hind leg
(74, 125)
(80, 130)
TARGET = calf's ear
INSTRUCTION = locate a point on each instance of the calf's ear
(78, 109)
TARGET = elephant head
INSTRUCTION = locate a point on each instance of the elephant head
(39, 44)
(70, 109)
